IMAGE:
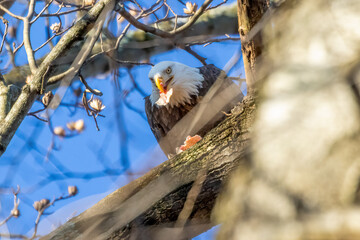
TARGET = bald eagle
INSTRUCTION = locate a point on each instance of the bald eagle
(187, 101)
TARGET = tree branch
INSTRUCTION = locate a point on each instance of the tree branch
(26, 35)
(159, 32)
(3, 99)
(4, 8)
(150, 205)
(144, 27)
(192, 19)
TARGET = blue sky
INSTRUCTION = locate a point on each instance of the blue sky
(92, 151)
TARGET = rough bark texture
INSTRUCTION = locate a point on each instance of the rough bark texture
(304, 177)
(249, 14)
(148, 207)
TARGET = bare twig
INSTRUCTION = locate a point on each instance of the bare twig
(134, 109)
(26, 36)
(57, 78)
(122, 36)
(194, 18)
(10, 13)
(42, 11)
(68, 3)
(44, 204)
(15, 211)
(128, 62)
(176, 16)
(34, 115)
(6, 23)
(159, 32)
(18, 47)
(210, 41)
(165, 18)
(47, 31)
(66, 12)
(53, 177)
(192, 52)
(210, 7)
(50, 148)
(52, 37)
(152, 10)
(142, 26)
(121, 127)
(136, 86)
(95, 92)
(90, 110)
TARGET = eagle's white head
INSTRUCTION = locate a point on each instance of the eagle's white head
(183, 80)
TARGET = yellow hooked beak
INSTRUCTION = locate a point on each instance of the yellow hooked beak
(159, 84)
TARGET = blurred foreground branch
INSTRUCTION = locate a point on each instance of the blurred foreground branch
(304, 177)
(148, 208)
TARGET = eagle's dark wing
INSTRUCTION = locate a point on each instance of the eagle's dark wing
(211, 75)
(163, 118)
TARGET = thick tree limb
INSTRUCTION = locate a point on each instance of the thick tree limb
(304, 179)
(149, 206)
(8, 95)
(4, 106)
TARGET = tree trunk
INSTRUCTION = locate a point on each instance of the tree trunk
(249, 14)
(305, 155)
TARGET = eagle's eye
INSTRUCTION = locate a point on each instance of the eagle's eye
(168, 70)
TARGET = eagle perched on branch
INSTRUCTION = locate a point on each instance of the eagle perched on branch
(187, 101)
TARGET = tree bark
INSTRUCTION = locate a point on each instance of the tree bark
(250, 13)
(148, 207)
(305, 156)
